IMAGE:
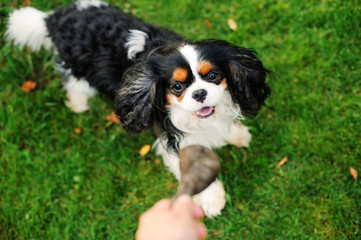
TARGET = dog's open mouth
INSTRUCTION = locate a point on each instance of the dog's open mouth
(204, 112)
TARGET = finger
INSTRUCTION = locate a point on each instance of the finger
(198, 212)
(183, 204)
(201, 231)
(161, 205)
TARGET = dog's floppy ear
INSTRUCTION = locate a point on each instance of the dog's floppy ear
(244, 72)
(134, 100)
(246, 82)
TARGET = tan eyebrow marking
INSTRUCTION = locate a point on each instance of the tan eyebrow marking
(204, 67)
(224, 82)
(171, 96)
(180, 74)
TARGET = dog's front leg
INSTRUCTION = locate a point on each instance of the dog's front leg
(212, 199)
(239, 135)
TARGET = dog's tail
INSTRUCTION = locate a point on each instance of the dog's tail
(27, 26)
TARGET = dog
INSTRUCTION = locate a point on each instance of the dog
(188, 92)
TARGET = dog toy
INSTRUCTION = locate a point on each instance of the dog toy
(199, 167)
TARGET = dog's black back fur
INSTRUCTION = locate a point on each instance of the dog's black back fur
(91, 42)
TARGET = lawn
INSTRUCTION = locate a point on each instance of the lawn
(60, 183)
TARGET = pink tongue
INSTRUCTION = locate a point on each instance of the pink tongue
(205, 111)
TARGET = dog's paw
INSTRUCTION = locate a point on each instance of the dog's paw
(239, 135)
(78, 91)
(212, 199)
(78, 103)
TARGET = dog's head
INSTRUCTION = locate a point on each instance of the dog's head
(190, 85)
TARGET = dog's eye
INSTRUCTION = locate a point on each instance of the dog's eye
(178, 87)
(214, 76)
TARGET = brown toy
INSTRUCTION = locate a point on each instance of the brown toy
(199, 168)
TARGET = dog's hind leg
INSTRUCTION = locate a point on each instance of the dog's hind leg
(78, 91)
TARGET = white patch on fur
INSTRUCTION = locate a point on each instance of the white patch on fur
(78, 93)
(212, 199)
(84, 4)
(26, 26)
(191, 55)
(135, 42)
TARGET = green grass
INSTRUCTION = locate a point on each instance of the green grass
(56, 184)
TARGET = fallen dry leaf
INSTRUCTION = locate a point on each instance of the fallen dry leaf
(232, 24)
(353, 173)
(208, 23)
(26, 3)
(144, 150)
(283, 161)
(77, 130)
(112, 117)
(28, 86)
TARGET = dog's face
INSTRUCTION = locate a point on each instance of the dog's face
(196, 85)
(191, 84)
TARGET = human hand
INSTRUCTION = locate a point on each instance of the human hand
(167, 221)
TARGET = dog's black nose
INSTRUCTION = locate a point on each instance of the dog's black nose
(200, 95)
